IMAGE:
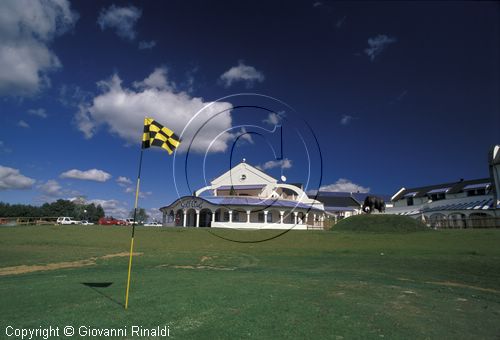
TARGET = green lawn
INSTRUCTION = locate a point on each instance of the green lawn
(305, 284)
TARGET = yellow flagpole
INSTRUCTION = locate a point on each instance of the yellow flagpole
(133, 231)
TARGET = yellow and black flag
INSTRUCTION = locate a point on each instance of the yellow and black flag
(156, 134)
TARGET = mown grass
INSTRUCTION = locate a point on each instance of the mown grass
(380, 223)
(304, 284)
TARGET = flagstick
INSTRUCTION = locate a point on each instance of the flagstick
(133, 230)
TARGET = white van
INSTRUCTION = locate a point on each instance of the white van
(66, 220)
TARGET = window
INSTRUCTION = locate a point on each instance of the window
(476, 192)
(409, 201)
(261, 217)
(438, 196)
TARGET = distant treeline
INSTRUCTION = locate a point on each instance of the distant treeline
(90, 212)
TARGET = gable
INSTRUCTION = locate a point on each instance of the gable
(243, 174)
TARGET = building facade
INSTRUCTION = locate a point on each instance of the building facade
(465, 203)
(246, 198)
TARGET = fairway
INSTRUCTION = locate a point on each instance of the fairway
(304, 284)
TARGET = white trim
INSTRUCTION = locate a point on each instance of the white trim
(240, 225)
(199, 191)
(396, 194)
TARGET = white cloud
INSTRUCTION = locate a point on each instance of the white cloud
(346, 119)
(241, 73)
(344, 185)
(147, 45)
(123, 110)
(145, 194)
(402, 95)
(112, 207)
(89, 175)
(123, 181)
(38, 112)
(284, 164)
(274, 118)
(121, 19)
(11, 178)
(4, 148)
(142, 194)
(73, 95)
(378, 44)
(23, 124)
(51, 188)
(340, 22)
(27, 27)
(156, 80)
(245, 136)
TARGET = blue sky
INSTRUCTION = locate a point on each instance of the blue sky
(396, 94)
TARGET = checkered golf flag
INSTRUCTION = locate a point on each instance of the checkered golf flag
(156, 134)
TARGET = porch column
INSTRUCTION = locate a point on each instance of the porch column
(230, 216)
(185, 218)
(213, 217)
(197, 218)
(265, 216)
(295, 214)
(248, 216)
(281, 216)
(307, 218)
(314, 219)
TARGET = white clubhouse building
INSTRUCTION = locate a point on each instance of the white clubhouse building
(246, 198)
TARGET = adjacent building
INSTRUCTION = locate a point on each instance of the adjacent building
(464, 203)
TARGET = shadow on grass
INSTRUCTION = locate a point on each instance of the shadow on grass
(95, 285)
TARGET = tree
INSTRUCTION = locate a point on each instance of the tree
(54, 209)
(94, 213)
(62, 208)
(141, 215)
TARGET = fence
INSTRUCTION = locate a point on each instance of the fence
(464, 222)
(13, 221)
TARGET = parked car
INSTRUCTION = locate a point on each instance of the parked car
(153, 224)
(86, 223)
(66, 220)
(131, 221)
(111, 221)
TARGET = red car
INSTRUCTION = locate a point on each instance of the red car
(111, 221)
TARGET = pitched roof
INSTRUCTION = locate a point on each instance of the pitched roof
(258, 172)
(346, 197)
(337, 200)
(449, 188)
